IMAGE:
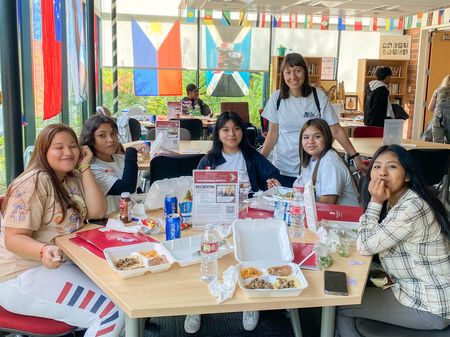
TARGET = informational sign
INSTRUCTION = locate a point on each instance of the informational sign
(393, 131)
(170, 131)
(395, 47)
(215, 197)
(173, 110)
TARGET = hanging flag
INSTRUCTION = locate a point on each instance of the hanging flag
(419, 19)
(76, 44)
(226, 20)
(430, 18)
(341, 23)
(293, 21)
(51, 53)
(358, 23)
(38, 67)
(306, 22)
(263, 20)
(409, 22)
(277, 21)
(325, 22)
(241, 18)
(400, 23)
(157, 54)
(228, 51)
(440, 16)
(374, 24)
(208, 17)
(388, 24)
(190, 15)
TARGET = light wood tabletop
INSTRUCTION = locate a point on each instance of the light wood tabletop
(186, 147)
(368, 146)
(179, 291)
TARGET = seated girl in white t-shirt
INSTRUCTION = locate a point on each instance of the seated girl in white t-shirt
(322, 165)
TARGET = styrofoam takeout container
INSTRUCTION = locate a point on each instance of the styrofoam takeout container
(115, 253)
(263, 243)
(186, 250)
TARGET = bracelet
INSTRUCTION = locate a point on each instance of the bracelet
(353, 156)
(82, 166)
(87, 168)
(42, 250)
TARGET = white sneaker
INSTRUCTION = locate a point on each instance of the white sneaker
(192, 323)
(250, 320)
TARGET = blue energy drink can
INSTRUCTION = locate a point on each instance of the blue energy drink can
(173, 227)
(170, 204)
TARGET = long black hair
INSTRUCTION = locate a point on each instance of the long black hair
(324, 128)
(294, 60)
(217, 146)
(415, 183)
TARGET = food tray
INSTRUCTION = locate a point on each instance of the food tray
(112, 254)
(277, 193)
(263, 266)
(186, 251)
(261, 240)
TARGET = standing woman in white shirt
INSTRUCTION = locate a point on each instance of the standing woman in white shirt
(288, 109)
(322, 165)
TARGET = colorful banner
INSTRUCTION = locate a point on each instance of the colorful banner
(226, 20)
(277, 21)
(341, 23)
(409, 22)
(293, 21)
(400, 23)
(419, 19)
(374, 24)
(441, 16)
(430, 18)
(208, 17)
(157, 45)
(358, 24)
(38, 66)
(190, 15)
(325, 22)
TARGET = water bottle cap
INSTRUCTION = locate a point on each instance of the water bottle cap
(125, 195)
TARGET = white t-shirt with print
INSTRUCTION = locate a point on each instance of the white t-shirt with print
(234, 161)
(333, 178)
(290, 117)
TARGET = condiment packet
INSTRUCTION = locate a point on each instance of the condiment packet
(118, 225)
(223, 290)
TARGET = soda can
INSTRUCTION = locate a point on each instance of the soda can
(170, 204)
(153, 119)
(173, 227)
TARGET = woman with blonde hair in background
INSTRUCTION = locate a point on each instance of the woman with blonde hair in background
(440, 105)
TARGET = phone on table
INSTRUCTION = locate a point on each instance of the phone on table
(101, 222)
(335, 283)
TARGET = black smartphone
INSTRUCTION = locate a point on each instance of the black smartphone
(335, 283)
(101, 222)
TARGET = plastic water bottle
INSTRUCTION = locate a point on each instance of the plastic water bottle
(209, 267)
(297, 209)
(244, 187)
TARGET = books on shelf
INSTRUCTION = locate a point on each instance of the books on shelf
(394, 88)
(312, 69)
(372, 69)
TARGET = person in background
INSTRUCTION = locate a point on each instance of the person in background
(52, 198)
(193, 102)
(115, 172)
(440, 105)
(288, 109)
(231, 151)
(322, 165)
(408, 227)
(376, 99)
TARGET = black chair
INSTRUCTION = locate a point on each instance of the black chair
(194, 125)
(252, 133)
(173, 166)
(135, 129)
(433, 164)
(184, 134)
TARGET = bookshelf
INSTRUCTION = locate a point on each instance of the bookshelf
(397, 85)
(314, 70)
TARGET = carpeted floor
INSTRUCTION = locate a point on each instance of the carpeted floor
(274, 323)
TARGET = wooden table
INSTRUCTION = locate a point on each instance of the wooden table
(368, 146)
(179, 291)
(207, 121)
(349, 125)
(186, 147)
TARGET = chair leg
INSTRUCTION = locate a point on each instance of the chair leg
(295, 321)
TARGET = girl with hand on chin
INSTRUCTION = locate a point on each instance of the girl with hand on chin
(323, 166)
(115, 172)
(288, 109)
(408, 227)
(231, 151)
(52, 198)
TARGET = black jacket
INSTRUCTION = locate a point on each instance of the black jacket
(259, 169)
(375, 105)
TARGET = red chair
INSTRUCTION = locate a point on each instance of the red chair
(30, 325)
(368, 131)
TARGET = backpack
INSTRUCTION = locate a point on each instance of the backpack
(316, 99)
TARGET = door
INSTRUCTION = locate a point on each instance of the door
(439, 66)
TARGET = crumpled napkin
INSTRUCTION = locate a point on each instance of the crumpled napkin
(223, 290)
(117, 225)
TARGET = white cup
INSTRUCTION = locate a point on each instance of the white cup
(138, 211)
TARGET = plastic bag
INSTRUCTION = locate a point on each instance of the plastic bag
(160, 188)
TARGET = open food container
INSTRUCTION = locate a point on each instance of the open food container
(186, 250)
(135, 260)
(267, 199)
(265, 253)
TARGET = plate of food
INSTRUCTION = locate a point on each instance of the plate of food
(276, 193)
(271, 279)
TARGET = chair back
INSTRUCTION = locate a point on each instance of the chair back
(173, 166)
(135, 129)
(27, 155)
(241, 108)
(252, 133)
(103, 110)
(433, 163)
(184, 134)
(194, 125)
(368, 131)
